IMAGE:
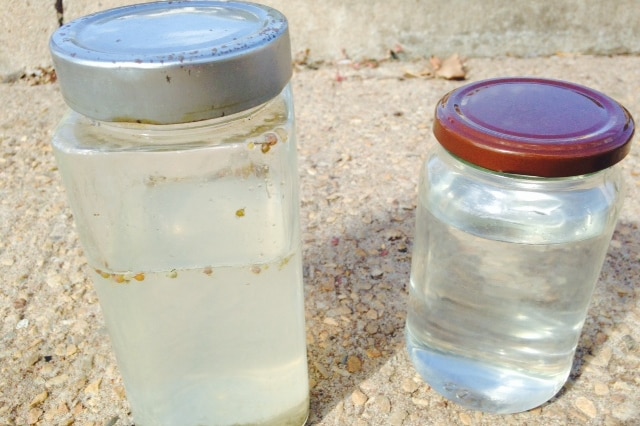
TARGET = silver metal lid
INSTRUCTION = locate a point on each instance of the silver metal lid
(172, 62)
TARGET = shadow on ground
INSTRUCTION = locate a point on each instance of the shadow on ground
(356, 320)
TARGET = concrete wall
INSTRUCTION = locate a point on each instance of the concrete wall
(469, 27)
(370, 28)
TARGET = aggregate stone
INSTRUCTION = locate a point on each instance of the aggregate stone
(362, 139)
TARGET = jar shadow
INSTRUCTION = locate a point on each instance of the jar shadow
(356, 284)
(356, 290)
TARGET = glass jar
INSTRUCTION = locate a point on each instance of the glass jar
(179, 160)
(517, 205)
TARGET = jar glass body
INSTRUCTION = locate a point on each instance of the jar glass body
(503, 270)
(191, 232)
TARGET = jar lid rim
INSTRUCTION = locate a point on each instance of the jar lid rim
(172, 62)
(533, 126)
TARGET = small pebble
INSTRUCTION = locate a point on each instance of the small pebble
(112, 421)
(78, 409)
(62, 409)
(93, 387)
(601, 338)
(371, 328)
(621, 385)
(120, 392)
(328, 286)
(410, 385)
(629, 343)
(420, 402)
(19, 303)
(58, 380)
(340, 371)
(358, 398)
(32, 359)
(71, 350)
(354, 364)
(397, 417)
(39, 399)
(369, 387)
(536, 411)
(376, 274)
(627, 412)
(330, 321)
(586, 406)
(49, 415)
(23, 323)
(47, 370)
(600, 389)
(61, 350)
(380, 403)
(373, 353)
(465, 419)
(602, 358)
(34, 415)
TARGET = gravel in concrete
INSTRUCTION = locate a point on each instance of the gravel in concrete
(363, 134)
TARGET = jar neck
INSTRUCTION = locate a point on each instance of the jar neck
(237, 128)
(532, 182)
(163, 130)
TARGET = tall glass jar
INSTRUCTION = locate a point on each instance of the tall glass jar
(517, 205)
(179, 160)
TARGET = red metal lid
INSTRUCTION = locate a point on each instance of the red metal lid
(534, 127)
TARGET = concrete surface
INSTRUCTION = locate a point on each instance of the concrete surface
(363, 134)
(371, 28)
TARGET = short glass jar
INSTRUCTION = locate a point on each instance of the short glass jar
(517, 205)
(179, 160)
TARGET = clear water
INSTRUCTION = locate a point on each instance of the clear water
(495, 313)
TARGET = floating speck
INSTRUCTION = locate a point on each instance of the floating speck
(284, 262)
(103, 274)
(120, 278)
